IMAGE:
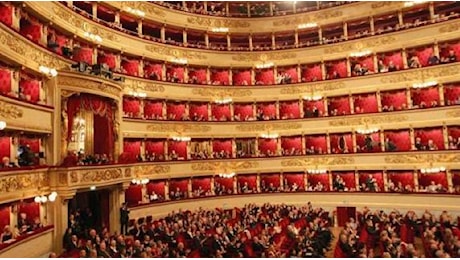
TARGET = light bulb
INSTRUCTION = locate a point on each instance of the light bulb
(44, 199)
(37, 199)
(2, 125)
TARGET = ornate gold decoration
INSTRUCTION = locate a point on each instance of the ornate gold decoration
(63, 178)
(318, 161)
(9, 111)
(73, 177)
(221, 92)
(178, 128)
(174, 52)
(256, 57)
(328, 86)
(368, 120)
(93, 176)
(455, 113)
(88, 84)
(381, 4)
(128, 173)
(15, 44)
(216, 166)
(209, 22)
(267, 127)
(423, 158)
(360, 45)
(141, 85)
(450, 28)
(308, 18)
(147, 170)
(417, 75)
(144, 7)
(23, 181)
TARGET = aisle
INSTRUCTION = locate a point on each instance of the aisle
(335, 232)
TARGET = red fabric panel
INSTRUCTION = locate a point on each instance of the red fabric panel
(182, 184)
(317, 142)
(30, 88)
(175, 70)
(314, 179)
(5, 78)
(456, 178)
(394, 100)
(368, 62)
(155, 147)
(132, 147)
(131, 67)
(426, 97)
(6, 14)
(133, 194)
(198, 109)
(83, 55)
(219, 145)
(452, 94)
(453, 134)
(220, 77)
(225, 182)
(291, 71)
(423, 53)
(175, 111)
(153, 109)
(199, 74)
(365, 103)
(311, 72)
(265, 76)
(395, 57)
(293, 142)
(31, 29)
(221, 112)
(310, 105)
(156, 186)
(361, 143)
(131, 107)
(241, 78)
(377, 175)
(179, 147)
(61, 40)
(270, 178)
(339, 106)
(4, 211)
(107, 58)
(33, 143)
(243, 110)
(267, 109)
(335, 148)
(204, 183)
(289, 110)
(405, 177)
(400, 138)
(103, 135)
(291, 178)
(250, 179)
(425, 179)
(267, 146)
(32, 210)
(5, 147)
(348, 178)
(338, 66)
(153, 68)
(434, 134)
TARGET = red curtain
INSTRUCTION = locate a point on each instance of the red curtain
(204, 183)
(251, 180)
(220, 112)
(198, 110)
(5, 147)
(365, 103)
(339, 106)
(425, 179)
(405, 177)
(4, 216)
(197, 76)
(433, 134)
(5, 80)
(394, 100)
(348, 178)
(401, 138)
(270, 179)
(242, 77)
(103, 135)
(131, 107)
(219, 145)
(32, 209)
(289, 110)
(6, 13)
(33, 143)
(107, 58)
(451, 94)
(291, 178)
(312, 72)
(30, 89)
(153, 109)
(179, 147)
(219, 77)
(267, 109)
(291, 143)
(182, 184)
(314, 179)
(362, 146)
(316, 143)
(156, 186)
(133, 194)
(132, 147)
(377, 175)
(155, 147)
(341, 143)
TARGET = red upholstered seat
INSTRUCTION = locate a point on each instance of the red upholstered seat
(220, 76)
(242, 77)
(311, 72)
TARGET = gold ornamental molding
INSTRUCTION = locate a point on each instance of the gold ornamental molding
(423, 158)
(424, 74)
(210, 22)
(175, 53)
(450, 28)
(308, 18)
(95, 176)
(216, 166)
(10, 111)
(178, 128)
(148, 170)
(88, 84)
(381, 4)
(221, 92)
(453, 113)
(256, 57)
(369, 120)
(143, 6)
(267, 127)
(318, 161)
(142, 85)
(24, 181)
(360, 45)
(327, 86)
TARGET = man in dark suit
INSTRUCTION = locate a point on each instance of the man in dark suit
(124, 218)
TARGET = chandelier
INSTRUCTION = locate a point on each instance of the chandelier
(227, 175)
(45, 198)
(181, 138)
(317, 171)
(360, 53)
(219, 29)
(270, 136)
(306, 25)
(425, 84)
(433, 170)
(48, 71)
(140, 181)
(265, 65)
(366, 130)
(135, 11)
(312, 97)
(179, 60)
(223, 101)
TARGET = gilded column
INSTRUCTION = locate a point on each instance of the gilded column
(230, 77)
(404, 58)
(188, 150)
(143, 149)
(118, 62)
(256, 147)
(273, 41)
(400, 18)
(229, 42)
(278, 146)
(141, 68)
(408, 98)
(44, 36)
(15, 83)
(186, 76)
(189, 188)
(167, 190)
(372, 25)
(206, 39)
(305, 180)
(164, 110)
(320, 35)
(329, 175)
(42, 93)
(303, 144)
(436, 49)
(296, 38)
(232, 111)
(442, 100)
(275, 74)
(328, 142)
(187, 109)
(379, 101)
(375, 61)
(277, 109)
(163, 72)
(209, 111)
(254, 109)
(445, 134)
(323, 70)
(416, 181)
(258, 182)
(249, 8)
(184, 37)
(163, 33)
(166, 149)
(234, 148)
(117, 131)
(412, 137)
(345, 30)
(326, 111)
(117, 17)
(431, 9)
(139, 27)
(253, 76)
(450, 184)
(270, 5)
(352, 103)
(348, 67)
(208, 75)
(59, 215)
(299, 73)
(212, 185)
(385, 181)
(94, 10)
(235, 185)
(382, 140)
(353, 139)
(302, 112)
(282, 180)
(357, 186)
(251, 46)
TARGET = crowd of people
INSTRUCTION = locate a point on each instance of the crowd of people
(24, 226)
(80, 158)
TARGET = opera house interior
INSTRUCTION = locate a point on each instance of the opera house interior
(230, 129)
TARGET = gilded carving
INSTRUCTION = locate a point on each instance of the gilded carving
(380, 4)
(63, 178)
(128, 173)
(10, 111)
(178, 128)
(140, 85)
(308, 18)
(221, 92)
(360, 45)
(73, 177)
(318, 161)
(418, 75)
(217, 22)
(101, 175)
(368, 120)
(450, 28)
(423, 158)
(14, 43)
(222, 166)
(144, 7)
(455, 113)
(23, 181)
(256, 57)
(88, 84)
(267, 127)
(328, 86)
(176, 53)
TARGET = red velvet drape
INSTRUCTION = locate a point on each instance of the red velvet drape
(103, 135)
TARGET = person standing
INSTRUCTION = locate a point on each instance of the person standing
(124, 218)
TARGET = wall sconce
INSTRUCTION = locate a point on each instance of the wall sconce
(93, 37)
(412, 3)
(219, 29)
(135, 11)
(227, 175)
(306, 25)
(360, 53)
(223, 101)
(2, 125)
(367, 130)
(425, 84)
(433, 169)
(140, 181)
(265, 65)
(181, 138)
(317, 171)
(48, 71)
(179, 60)
(137, 94)
(313, 97)
(269, 136)
(45, 198)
